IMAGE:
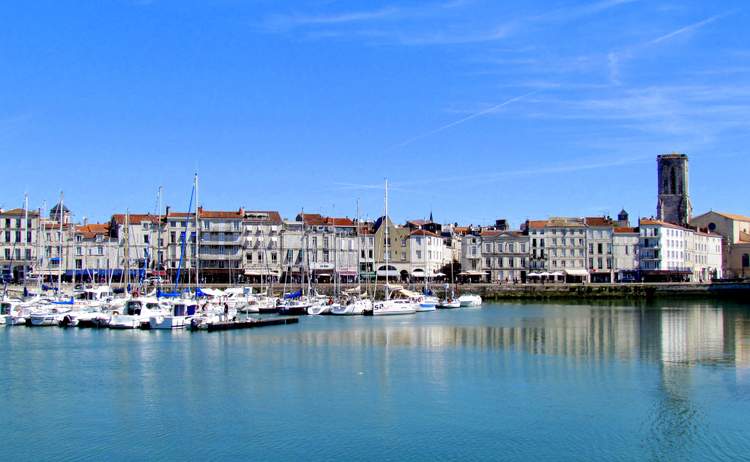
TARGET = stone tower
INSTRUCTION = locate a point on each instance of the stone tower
(674, 200)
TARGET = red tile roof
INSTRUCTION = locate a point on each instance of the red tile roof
(135, 218)
(598, 221)
(537, 224)
(625, 229)
(316, 219)
(19, 213)
(92, 230)
(339, 221)
(422, 232)
(235, 214)
(271, 216)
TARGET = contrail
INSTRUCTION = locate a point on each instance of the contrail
(465, 119)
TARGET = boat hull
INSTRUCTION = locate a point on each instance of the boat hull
(168, 322)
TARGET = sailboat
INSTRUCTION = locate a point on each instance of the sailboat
(180, 309)
(449, 300)
(404, 303)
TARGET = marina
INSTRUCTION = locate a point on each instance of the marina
(508, 381)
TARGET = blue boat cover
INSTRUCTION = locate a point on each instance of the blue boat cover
(292, 295)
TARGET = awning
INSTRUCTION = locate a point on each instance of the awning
(260, 273)
(347, 273)
(471, 273)
(577, 272)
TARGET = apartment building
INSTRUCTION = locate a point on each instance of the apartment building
(19, 243)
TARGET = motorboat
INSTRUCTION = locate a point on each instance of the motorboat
(428, 303)
(179, 318)
(293, 306)
(10, 310)
(137, 312)
(448, 303)
(86, 316)
(470, 300)
(48, 315)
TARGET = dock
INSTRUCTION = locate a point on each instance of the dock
(232, 325)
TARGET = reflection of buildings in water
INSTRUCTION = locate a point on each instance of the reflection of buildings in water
(741, 327)
(692, 334)
(674, 421)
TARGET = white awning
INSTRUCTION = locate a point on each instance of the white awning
(576, 272)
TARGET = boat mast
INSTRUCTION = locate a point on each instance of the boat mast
(386, 247)
(60, 237)
(158, 239)
(126, 251)
(25, 235)
(359, 246)
(197, 239)
(39, 248)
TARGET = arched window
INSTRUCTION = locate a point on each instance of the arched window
(745, 260)
(672, 181)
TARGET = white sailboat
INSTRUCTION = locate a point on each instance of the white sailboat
(388, 306)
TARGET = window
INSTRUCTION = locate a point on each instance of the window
(28, 254)
(273, 257)
(745, 260)
(18, 236)
(403, 242)
(28, 236)
(145, 238)
(419, 254)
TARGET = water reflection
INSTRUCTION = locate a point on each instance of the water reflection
(685, 334)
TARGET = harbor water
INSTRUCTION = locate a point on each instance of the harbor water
(608, 381)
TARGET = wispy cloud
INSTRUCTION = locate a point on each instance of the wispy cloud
(286, 22)
(575, 12)
(684, 30)
(462, 120)
(422, 28)
(616, 58)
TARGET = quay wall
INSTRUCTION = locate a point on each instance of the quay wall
(740, 290)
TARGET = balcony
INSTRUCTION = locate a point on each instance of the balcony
(224, 256)
(221, 239)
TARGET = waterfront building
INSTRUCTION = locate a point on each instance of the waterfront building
(332, 244)
(221, 244)
(294, 261)
(264, 257)
(669, 252)
(139, 241)
(600, 246)
(565, 243)
(735, 230)
(19, 243)
(471, 256)
(366, 237)
(399, 250)
(181, 245)
(426, 257)
(625, 252)
(538, 254)
(96, 253)
(504, 255)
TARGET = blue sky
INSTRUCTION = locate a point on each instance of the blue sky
(473, 109)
